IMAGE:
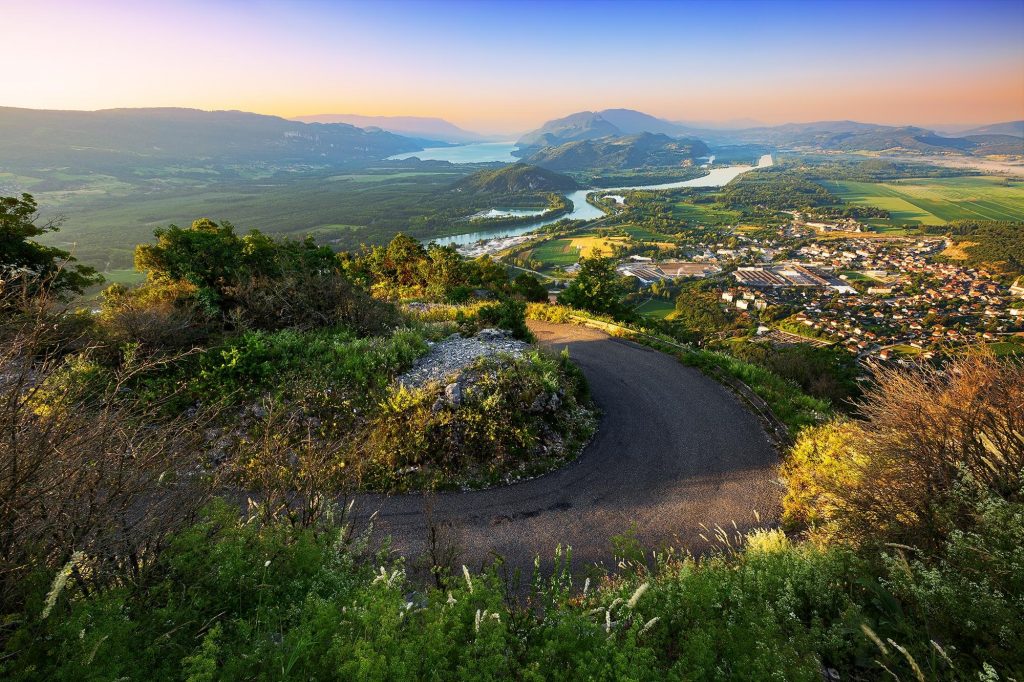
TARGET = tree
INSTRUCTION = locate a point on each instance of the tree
(20, 254)
(699, 312)
(597, 288)
(530, 288)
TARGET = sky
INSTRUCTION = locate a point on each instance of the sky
(509, 66)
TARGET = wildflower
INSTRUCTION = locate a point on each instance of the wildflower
(636, 595)
(586, 586)
(648, 625)
(469, 581)
(266, 564)
(608, 620)
(451, 600)
(59, 581)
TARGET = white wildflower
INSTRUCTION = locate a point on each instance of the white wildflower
(649, 624)
(266, 564)
(59, 581)
(451, 600)
(586, 586)
(608, 620)
(469, 581)
(636, 595)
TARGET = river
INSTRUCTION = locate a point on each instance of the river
(480, 152)
(582, 210)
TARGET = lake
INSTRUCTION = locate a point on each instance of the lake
(581, 210)
(481, 152)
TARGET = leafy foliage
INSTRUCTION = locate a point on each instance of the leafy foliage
(597, 288)
(20, 254)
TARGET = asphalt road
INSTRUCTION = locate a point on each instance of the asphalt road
(674, 450)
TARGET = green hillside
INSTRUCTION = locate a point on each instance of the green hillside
(518, 177)
(643, 150)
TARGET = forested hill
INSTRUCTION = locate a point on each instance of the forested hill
(135, 137)
(594, 125)
(853, 136)
(631, 151)
(518, 177)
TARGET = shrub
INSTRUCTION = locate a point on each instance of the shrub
(507, 314)
(818, 463)
(509, 416)
(924, 431)
(88, 469)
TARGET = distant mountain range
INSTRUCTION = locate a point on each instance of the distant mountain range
(514, 178)
(641, 150)
(408, 126)
(1004, 138)
(1015, 128)
(135, 137)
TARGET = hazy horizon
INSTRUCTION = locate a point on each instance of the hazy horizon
(504, 68)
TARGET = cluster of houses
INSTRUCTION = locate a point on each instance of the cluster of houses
(906, 302)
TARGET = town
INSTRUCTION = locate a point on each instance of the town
(882, 298)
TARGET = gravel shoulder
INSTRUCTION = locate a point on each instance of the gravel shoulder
(674, 450)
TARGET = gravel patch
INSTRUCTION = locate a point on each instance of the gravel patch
(455, 353)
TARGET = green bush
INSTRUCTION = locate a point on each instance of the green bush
(507, 314)
(510, 418)
(254, 363)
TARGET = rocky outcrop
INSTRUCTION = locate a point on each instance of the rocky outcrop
(448, 358)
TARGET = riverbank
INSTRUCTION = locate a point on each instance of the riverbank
(584, 210)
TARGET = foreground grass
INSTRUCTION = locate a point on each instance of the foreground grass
(234, 600)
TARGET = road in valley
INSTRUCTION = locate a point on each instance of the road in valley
(674, 450)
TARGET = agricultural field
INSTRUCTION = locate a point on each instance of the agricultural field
(637, 232)
(704, 214)
(589, 245)
(937, 201)
(555, 253)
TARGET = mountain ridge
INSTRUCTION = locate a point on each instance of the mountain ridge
(126, 135)
(431, 127)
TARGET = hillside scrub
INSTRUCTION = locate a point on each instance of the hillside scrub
(500, 420)
(925, 438)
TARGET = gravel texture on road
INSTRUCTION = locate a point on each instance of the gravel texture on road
(674, 450)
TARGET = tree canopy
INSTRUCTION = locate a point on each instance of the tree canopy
(597, 288)
(20, 253)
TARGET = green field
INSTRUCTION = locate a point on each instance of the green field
(556, 253)
(937, 201)
(104, 220)
(643, 233)
(656, 307)
(704, 214)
